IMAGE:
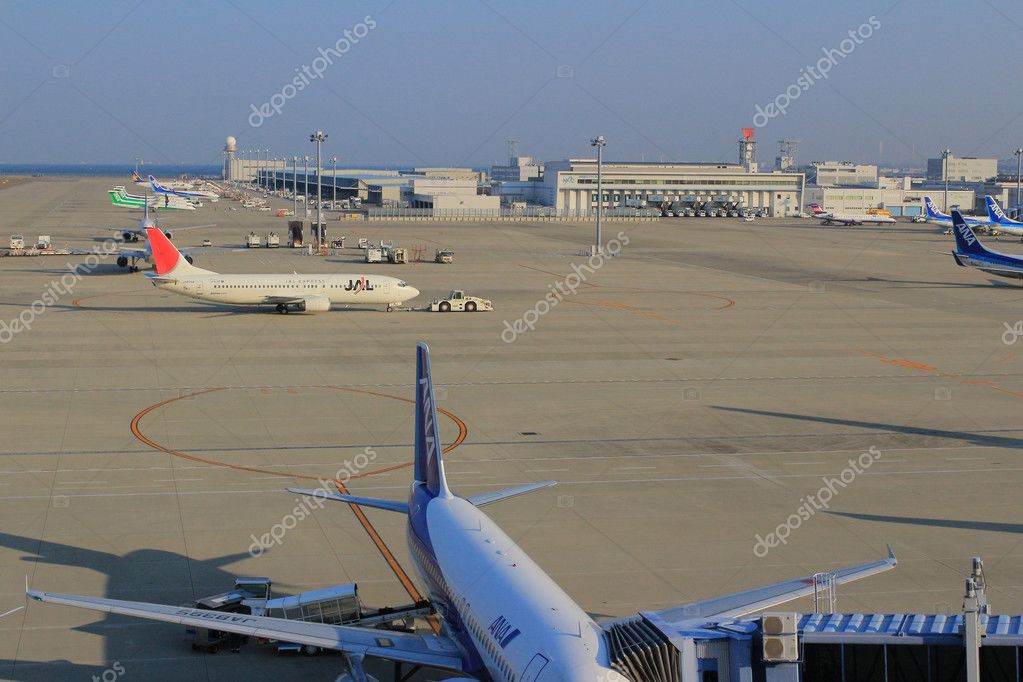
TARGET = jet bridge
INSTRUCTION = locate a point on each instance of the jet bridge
(971, 646)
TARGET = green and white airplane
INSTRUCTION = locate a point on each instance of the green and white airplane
(119, 197)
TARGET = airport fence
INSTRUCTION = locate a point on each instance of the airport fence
(480, 215)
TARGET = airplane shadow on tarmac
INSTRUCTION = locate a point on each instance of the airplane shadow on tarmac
(936, 523)
(984, 439)
(123, 582)
(1000, 284)
(987, 440)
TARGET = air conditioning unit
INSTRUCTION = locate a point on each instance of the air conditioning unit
(780, 637)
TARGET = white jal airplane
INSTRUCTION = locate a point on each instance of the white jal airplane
(828, 218)
(501, 616)
(309, 293)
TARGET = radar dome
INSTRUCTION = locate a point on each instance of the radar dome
(231, 142)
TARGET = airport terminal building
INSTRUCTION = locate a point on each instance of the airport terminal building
(570, 186)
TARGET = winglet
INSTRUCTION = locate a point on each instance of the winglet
(891, 556)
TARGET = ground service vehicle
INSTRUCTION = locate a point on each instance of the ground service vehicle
(458, 301)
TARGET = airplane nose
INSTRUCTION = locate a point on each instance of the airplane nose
(412, 292)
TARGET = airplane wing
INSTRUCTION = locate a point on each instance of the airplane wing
(1001, 272)
(130, 253)
(188, 227)
(749, 601)
(430, 650)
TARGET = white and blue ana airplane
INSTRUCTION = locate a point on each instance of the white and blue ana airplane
(999, 220)
(937, 217)
(188, 194)
(971, 253)
(501, 617)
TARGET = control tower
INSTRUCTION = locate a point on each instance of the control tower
(748, 151)
(230, 148)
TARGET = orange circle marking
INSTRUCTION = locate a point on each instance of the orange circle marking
(360, 515)
(137, 432)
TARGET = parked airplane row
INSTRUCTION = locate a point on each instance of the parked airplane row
(997, 222)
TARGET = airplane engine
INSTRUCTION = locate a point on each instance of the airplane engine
(128, 237)
(168, 233)
(315, 304)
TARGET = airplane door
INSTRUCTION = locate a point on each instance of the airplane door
(534, 668)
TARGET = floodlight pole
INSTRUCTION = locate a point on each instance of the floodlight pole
(1019, 156)
(599, 142)
(305, 190)
(318, 137)
(944, 169)
(294, 185)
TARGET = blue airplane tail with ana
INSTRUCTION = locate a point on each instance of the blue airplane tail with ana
(932, 212)
(966, 241)
(996, 214)
(429, 464)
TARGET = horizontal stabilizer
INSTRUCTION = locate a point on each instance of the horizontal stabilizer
(388, 505)
(508, 493)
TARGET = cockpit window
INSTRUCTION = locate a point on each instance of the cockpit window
(402, 284)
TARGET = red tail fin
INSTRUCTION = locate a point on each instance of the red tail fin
(165, 256)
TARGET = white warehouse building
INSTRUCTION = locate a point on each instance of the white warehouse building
(571, 185)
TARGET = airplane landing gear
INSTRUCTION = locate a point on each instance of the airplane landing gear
(282, 309)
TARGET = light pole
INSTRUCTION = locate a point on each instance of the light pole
(333, 180)
(305, 190)
(273, 176)
(266, 175)
(318, 137)
(944, 171)
(294, 185)
(1019, 155)
(599, 143)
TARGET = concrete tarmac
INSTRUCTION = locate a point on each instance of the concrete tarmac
(688, 395)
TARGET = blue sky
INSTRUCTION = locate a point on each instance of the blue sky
(447, 82)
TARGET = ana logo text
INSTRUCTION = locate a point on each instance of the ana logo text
(967, 234)
(502, 631)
